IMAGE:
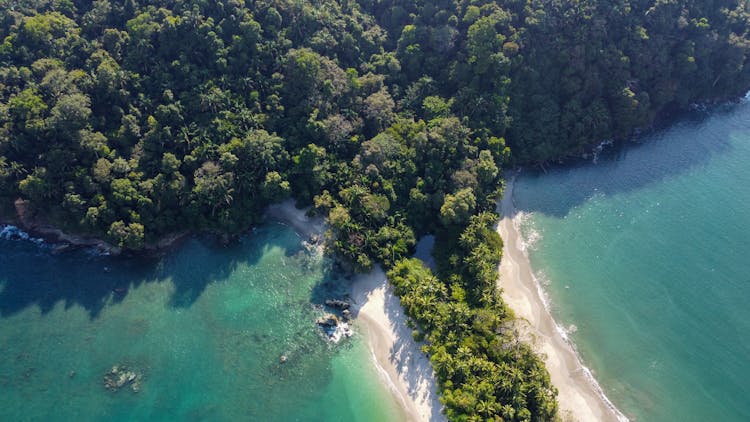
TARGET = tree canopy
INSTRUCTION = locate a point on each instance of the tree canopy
(131, 120)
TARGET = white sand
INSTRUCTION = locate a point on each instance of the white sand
(408, 372)
(286, 212)
(404, 368)
(580, 397)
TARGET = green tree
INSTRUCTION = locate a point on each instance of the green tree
(458, 207)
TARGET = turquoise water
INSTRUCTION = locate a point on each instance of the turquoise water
(205, 326)
(645, 257)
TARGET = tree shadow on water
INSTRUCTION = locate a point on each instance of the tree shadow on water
(31, 275)
(690, 143)
(411, 365)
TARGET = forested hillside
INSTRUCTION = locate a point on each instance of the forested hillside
(133, 119)
(129, 120)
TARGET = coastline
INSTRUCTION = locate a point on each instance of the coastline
(62, 241)
(404, 369)
(285, 212)
(579, 395)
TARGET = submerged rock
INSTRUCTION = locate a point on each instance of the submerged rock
(120, 376)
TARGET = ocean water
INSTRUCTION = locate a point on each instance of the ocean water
(205, 327)
(645, 257)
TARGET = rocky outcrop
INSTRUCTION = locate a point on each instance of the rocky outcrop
(334, 328)
(339, 304)
(329, 320)
(35, 228)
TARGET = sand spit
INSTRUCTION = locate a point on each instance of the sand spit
(404, 368)
(407, 371)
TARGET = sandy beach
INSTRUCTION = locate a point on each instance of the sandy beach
(404, 368)
(287, 213)
(408, 372)
(580, 397)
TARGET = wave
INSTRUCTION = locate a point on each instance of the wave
(10, 232)
(15, 233)
(530, 236)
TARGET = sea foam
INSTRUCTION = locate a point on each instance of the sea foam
(530, 237)
(10, 232)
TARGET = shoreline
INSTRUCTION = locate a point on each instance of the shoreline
(405, 371)
(404, 368)
(62, 241)
(579, 395)
(287, 213)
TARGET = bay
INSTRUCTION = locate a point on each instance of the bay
(205, 327)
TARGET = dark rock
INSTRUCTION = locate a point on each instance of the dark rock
(335, 303)
(225, 239)
(347, 314)
(329, 320)
(58, 249)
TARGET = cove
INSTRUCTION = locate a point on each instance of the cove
(204, 326)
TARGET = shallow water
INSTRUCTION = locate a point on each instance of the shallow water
(644, 256)
(205, 326)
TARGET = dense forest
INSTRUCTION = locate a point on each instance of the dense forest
(134, 119)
